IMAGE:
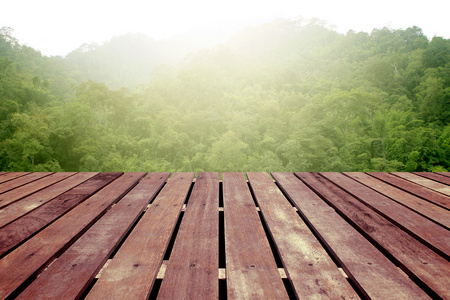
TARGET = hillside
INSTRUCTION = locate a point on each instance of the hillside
(288, 95)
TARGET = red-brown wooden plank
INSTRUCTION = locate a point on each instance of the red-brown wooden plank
(27, 204)
(431, 184)
(132, 271)
(431, 211)
(16, 232)
(434, 176)
(372, 273)
(193, 268)
(250, 266)
(444, 173)
(412, 256)
(10, 176)
(312, 272)
(73, 271)
(21, 180)
(30, 188)
(433, 235)
(23, 262)
(413, 188)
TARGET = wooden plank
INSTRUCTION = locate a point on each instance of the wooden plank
(251, 269)
(444, 173)
(69, 276)
(32, 187)
(431, 211)
(21, 229)
(21, 180)
(132, 271)
(193, 267)
(434, 176)
(411, 255)
(312, 272)
(27, 204)
(434, 236)
(413, 188)
(36, 253)
(10, 176)
(431, 184)
(370, 271)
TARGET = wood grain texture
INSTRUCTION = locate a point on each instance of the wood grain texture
(434, 176)
(305, 236)
(250, 266)
(27, 204)
(21, 229)
(372, 273)
(413, 256)
(10, 176)
(444, 173)
(32, 187)
(73, 271)
(430, 233)
(34, 254)
(431, 184)
(425, 208)
(17, 182)
(193, 267)
(312, 272)
(413, 188)
(133, 270)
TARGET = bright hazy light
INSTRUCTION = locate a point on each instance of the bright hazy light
(58, 27)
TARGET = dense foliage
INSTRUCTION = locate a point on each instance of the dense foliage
(289, 95)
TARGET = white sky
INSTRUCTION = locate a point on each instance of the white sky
(58, 27)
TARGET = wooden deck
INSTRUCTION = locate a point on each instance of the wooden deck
(245, 236)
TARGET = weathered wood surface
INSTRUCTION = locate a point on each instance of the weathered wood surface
(70, 274)
(132, 272)
(434, 176)
(25, 178)
(432, 212)
(371, 272)
(312, 272)
(18, 209)
(22, 228)
(426, 182)
(251, 269)
(193, 267)
(299, 236)
(414, 257)
(10, 176)
(435, 236)
(25, 185)
(415, 189)
(36, 253)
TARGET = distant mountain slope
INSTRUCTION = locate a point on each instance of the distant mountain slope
(128, 60)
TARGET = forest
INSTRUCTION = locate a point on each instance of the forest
(290, 95)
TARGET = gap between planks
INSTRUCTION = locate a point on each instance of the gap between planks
(222, 271)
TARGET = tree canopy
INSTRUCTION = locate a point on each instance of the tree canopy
(285, 96)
